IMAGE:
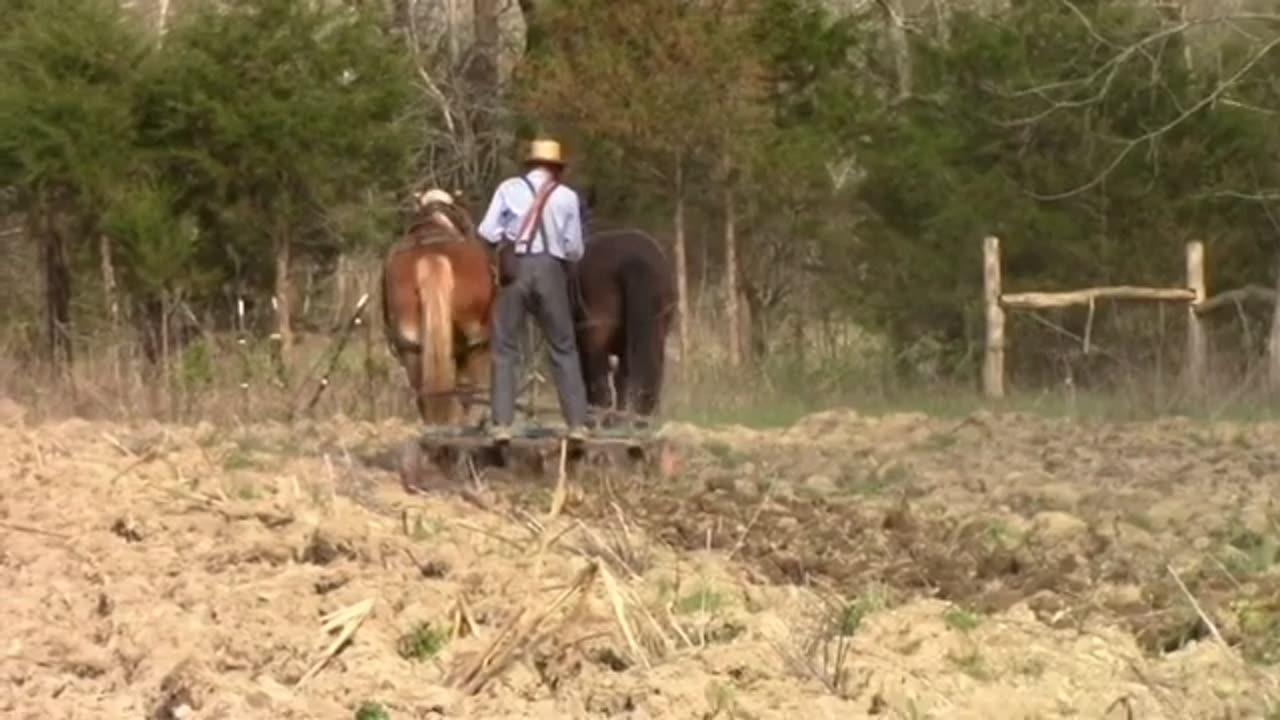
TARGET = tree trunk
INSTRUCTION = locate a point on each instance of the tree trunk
(487, 45)
(756, 332)
(487, 136)
(308, 287)
(895, 19)
(111, 298)
(682, 270)
(109, 294)
(57, 286)
(284, 315)
(942, 19)
(533, 33)
(1273, 338)
(166, 369)
(451, 30)
(162, 18)
(704, 280)
(400, 20)
(801, 346)
(340, 292)
(731, 277)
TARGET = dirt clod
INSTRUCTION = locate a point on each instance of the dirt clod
(322, 549)
(127, 528)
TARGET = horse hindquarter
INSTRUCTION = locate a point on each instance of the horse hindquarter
(644, 337)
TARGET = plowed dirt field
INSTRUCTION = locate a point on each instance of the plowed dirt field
(1003, 566)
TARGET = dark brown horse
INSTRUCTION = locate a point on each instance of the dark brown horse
(437, 294)
(625, 306)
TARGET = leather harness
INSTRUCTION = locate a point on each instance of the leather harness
(540, 196)
(524, 240)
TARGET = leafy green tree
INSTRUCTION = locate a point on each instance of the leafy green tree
(274, 119)
(658, 87)
(68, 78)
(159, 257)
(798, 201)
(817, 85)
(1011, 135)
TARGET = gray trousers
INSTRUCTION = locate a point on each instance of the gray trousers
(541, 289)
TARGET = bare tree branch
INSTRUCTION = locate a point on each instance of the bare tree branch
(1151, 136)
(1257, 196)
(415, 44)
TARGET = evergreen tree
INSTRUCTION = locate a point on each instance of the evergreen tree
(271, 119)
(68, 78)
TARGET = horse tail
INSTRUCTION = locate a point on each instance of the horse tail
(435, 305)
(643, 342)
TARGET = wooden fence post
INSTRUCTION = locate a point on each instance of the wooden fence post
(1197, 346)
(993, 359)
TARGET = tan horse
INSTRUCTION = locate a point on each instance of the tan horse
(438, 291)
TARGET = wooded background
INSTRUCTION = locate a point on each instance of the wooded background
(822, 175)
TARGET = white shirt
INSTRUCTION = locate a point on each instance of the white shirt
(561, 217)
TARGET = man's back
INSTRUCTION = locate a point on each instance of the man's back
(561, 216)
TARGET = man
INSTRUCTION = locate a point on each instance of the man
(542, 219)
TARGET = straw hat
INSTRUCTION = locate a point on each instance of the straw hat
(544, 151)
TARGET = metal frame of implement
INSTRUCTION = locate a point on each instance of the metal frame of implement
(440, 445)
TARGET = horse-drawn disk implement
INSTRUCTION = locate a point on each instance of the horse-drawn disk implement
(458, 453)
(438, 294)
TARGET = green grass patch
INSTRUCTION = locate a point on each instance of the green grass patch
(370, 710)
(961, 619)
(703, 599)
(423, 642)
